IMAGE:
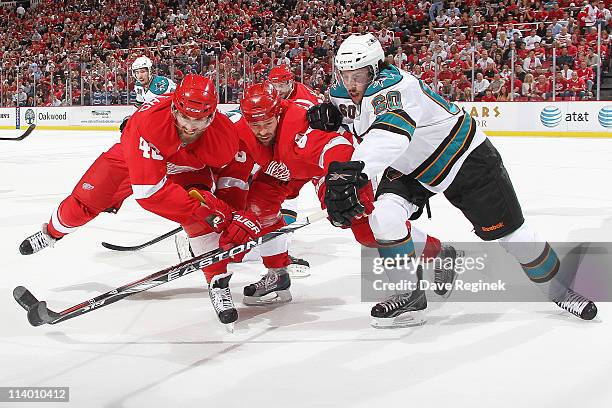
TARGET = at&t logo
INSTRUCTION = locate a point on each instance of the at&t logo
(550, 116)
(605, 116)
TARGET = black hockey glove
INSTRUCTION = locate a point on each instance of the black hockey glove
(324, 116)
(345, 195)
(123, 123)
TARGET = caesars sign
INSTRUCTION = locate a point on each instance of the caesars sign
(484, 115)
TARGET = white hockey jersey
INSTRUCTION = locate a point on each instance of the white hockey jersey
(407, 126)
(159, 85)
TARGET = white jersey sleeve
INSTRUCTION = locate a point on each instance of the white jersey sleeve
(405, 125)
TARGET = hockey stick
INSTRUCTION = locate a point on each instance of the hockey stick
(25, 134)
(146, 244)
(39, 313)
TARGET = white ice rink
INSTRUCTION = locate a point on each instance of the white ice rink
(165, 348)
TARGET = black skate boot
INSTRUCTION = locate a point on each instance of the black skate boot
(578, 305)
(298, 268)
(36, 242)
(444, 274)
(272, 288)
(403, 310)
(221, 299)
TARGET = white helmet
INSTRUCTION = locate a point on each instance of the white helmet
(142, 62)
(359, 51)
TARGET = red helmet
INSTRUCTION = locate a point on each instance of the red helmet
(280, 73)
(195, 97)
(260, 102)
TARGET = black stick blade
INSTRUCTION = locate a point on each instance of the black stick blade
(25, 298)
(23, 136)
(120, 247)
(39, 314)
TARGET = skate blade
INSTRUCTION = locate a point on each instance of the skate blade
(298, 271)
(229, 327)
(411, 319)
(278, 297)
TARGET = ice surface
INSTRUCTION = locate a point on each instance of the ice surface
(165, 348)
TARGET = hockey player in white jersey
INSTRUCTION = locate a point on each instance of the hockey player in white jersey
(147, 86)
(422, 145)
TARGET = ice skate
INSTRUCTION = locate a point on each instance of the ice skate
(402, 310)
(271, 289)
(444, 273)
(36, 242)
(221, 299)
(578, 305)
(298, 268)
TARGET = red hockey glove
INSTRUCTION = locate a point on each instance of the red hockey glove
(214, 211)
(242, 228)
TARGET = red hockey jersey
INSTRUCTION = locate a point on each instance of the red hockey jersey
(303, 95)
(151, 147)
(299, 152)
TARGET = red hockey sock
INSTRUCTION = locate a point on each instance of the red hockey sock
(70, 214)
(276, 261)
(432, 247)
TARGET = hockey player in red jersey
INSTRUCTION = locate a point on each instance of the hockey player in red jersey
(291, 154)
(283, 81)
(171, 144)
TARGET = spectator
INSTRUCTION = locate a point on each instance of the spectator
(484, 60)
(566, 72)
(556, 27)
(531, 62)
(532, 39)
(496, 84)
(400, 58)
(489, 97)
(605, 16)
(542, 88)
(503, 41)
(576, 86)
(528, 87)
(560, 86)
(20, 11)
(564, 58)
(563, 36)
(481, 84)
(548, 39)
(503, 95)
(586, 74)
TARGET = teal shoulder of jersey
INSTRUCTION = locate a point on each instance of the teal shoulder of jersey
(339, 91)
(387, 78)
(233, 112)
(159, 85)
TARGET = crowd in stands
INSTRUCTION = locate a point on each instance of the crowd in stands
(60, 52)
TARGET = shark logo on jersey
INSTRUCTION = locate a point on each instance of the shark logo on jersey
(161, 86)
(380, 80)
